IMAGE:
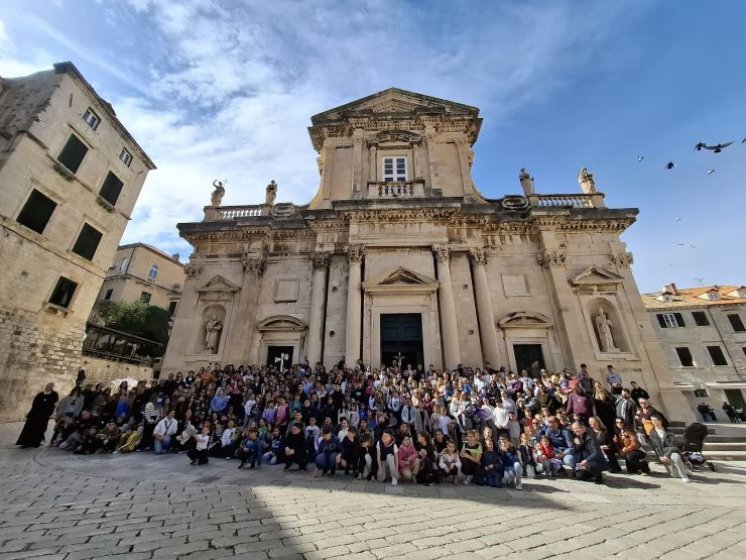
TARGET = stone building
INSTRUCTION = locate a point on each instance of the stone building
(400, 254)
(142, 272)
(703, 334)
(70, 175)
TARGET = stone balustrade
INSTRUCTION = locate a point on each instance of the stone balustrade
(237, 212)
(391, 190)
(568, 200)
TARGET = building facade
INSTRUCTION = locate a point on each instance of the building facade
(141, 272)
(399, 254)
(70, 174)
(703, 334)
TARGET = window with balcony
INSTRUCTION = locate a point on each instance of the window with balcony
(91, 118)
(37, 211)
(394, 169)
(73, 153)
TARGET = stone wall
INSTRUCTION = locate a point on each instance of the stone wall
(106, 372)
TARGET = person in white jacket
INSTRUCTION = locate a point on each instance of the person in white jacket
(163, 432)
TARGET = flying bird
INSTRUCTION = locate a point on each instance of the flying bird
(710, 171)
(717, 148)
(743, 141)
(693, 246)
(640, 158)
(670, 165)
(678, 219)
(681, 244)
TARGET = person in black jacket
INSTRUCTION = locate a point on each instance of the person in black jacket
(591, 459)
(295, 448)
(37, 418)
(348, 457)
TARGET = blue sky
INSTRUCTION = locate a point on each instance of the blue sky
(225, 89)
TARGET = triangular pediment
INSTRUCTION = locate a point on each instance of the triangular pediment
(394, 101)
(402, 278)
(281, 323)
(218, 284)
(595, 275)
(525, 320)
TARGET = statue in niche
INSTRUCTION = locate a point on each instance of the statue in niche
(271, 193)
(587, 182)
(527, 182)
(605, 336)
(212, 334)
(216, 199)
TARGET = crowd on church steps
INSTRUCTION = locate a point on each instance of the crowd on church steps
(480, 426)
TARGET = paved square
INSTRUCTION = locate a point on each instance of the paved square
(141, 506)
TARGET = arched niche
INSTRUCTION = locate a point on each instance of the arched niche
(212, 327)
(607, 326)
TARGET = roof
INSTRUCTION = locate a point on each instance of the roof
(690, 297)
(155, 250)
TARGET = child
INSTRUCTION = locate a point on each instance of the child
(365, 466)
(408, 459)
(546, 456)
(471, 457)
(492, 465)
(199, 453)
(295, 448)
(250, 450)
(327, 450)
(274, 444)
(348, 456)
(526, 451)
(450, 463)
(386, 455)
(514, 429)
(513, 470)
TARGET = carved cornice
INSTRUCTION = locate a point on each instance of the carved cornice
(551, 258)
(622, 260)
(320, 260)
(478, 256)
(442, 253)
(399, 214)
(355, 253)
(192, 270)
(254, 264)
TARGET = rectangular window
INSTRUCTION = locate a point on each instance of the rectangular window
(700, 318)
(685, 356)
(172, 307)
(111, 188)
(670, 320)
(63, 292)
(87, 242)
(718, 358)
(73, 153)
(91, 118)
(736, 322)
(110, 291)
(37, 211)
(125, 157)
(145, 297)
(394, 169)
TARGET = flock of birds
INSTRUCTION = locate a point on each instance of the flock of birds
(699, 146)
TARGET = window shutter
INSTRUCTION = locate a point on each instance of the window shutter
(680, 319)
(661, 321)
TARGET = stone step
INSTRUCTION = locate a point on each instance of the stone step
(725, 455)
(717, 446)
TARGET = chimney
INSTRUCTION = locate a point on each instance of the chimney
(671, 288)
(175, 257)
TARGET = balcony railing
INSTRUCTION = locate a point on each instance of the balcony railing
(392, 190)
(567, 200)
(236, 212)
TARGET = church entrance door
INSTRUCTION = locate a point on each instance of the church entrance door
(401, 338)
(527, 354)
(274, 353)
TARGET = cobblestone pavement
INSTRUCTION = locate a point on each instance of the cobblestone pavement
(140, 506)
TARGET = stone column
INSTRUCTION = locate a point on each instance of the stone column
(355, 255)
(448, 328)
(320, 263)
(478, 258)
(240, 337)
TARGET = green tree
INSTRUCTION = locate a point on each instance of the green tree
(137, 318)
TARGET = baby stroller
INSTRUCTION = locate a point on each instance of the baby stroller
(691, 451)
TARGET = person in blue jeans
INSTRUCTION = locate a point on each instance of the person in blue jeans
(327, 449)
(250, 450)
(562, 441)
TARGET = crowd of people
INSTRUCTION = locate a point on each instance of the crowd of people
(480, 426)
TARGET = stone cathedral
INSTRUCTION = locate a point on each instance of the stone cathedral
(400, 256)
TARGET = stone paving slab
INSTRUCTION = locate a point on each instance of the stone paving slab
(142, 506)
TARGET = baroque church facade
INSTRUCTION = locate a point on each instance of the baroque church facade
(400, 256)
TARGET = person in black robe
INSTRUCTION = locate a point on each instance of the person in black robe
(37, 418)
